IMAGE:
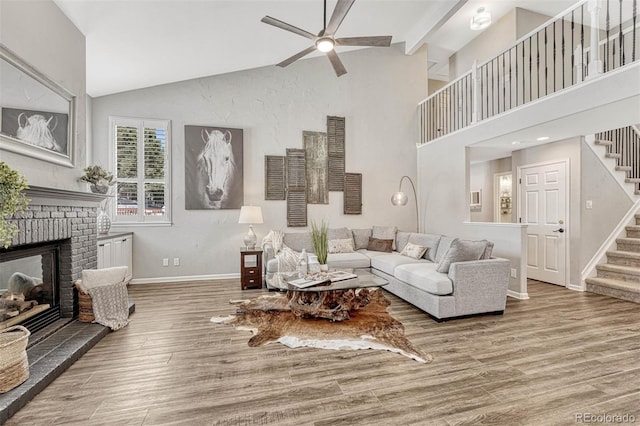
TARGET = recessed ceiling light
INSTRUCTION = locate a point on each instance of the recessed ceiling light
(516, 143)
(542, 138)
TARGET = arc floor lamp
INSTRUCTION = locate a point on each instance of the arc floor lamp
(400, 198)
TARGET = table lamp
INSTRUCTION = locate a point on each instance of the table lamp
(250, 215)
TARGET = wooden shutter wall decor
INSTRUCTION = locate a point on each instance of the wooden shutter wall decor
(353, 193)
(275, 177)
(317, 164)
(296, 188)
(336, 147)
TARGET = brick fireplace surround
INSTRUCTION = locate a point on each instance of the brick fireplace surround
(68, 217)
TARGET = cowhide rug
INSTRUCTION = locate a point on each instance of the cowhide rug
(371, 327)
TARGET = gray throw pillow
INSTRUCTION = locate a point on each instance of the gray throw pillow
(385, 233)
(402, 238)
(443, 247)
(338, 234)
(488, 251)
(462, 251)
(430, 241)
(361, 238)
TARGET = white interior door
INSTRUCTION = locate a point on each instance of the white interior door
(543, 207)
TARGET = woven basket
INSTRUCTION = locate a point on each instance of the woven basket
(86, 306)
(14, 364)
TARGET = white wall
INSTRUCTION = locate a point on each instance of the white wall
(378, 97)
(43, 36)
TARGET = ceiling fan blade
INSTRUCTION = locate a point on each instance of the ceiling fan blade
(340, 11)
(297, 56)
(287, 27)
(376, 41)
(338, 67)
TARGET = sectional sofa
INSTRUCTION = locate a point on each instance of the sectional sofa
(453, 278)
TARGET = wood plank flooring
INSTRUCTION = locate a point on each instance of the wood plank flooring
(547, 359)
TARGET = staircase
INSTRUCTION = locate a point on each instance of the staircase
(620, 276)
(623, 145)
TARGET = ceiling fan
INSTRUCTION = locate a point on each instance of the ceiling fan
(325, 40)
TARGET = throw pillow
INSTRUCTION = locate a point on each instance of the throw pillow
(443, 247)
(338, 233)
(462, 251)
(385, 233)
(361, 238)
(488, 251)
(414, 251)
(402, 238)
(344, 245)
(376, 244)
(430, 241)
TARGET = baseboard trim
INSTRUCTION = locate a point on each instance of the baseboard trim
(163, 280)
(516, 295)
(577, 287)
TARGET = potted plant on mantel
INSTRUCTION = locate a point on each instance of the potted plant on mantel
(99, 179)
(12, 201)
(320, 243)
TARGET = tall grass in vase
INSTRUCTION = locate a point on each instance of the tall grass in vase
(320, 242)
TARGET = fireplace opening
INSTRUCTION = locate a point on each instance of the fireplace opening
(29, 286)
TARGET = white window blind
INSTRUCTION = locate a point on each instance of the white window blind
(142, 150)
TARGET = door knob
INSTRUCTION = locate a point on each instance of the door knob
(559, 230)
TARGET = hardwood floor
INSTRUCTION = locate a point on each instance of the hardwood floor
(547, 359)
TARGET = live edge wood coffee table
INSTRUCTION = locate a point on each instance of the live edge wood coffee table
(333, 301)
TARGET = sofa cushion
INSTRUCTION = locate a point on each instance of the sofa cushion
(462, 251)
(430, 241)
(390, 261)
(297, 241)
(402, 238)
(343, 245)
(385, 233)
(425, 277)
(348, 260)
(443, 247)
(371, 253)
(339, 234)
(361, 238)
(413, 251)
(376, 244)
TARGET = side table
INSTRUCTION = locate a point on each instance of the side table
(250, 268)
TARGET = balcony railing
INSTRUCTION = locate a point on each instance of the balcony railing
(549, 59)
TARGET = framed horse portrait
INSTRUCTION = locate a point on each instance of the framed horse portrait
(37, 116)
(213, 168)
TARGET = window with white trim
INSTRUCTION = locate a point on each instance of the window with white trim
(142, 150)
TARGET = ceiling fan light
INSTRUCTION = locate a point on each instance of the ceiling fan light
(325, 44)
(481, 20)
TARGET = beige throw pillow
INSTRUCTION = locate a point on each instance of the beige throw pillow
(376, 244)
(413, 251)
(385, 233)
(341, 245)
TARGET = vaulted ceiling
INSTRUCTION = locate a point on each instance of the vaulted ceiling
(140, 43)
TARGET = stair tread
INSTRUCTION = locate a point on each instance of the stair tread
(632, 180)
(625, 254)
(630, 286)
(613, 155)
(628, 240)
(624, 269)
(624, 168)
(603, 142)
(632, 227)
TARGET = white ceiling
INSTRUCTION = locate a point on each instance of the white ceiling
(141, 43)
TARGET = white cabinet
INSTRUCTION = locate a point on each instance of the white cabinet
(116, 251)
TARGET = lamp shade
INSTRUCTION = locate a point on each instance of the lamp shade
(399, 199)
(250, 214)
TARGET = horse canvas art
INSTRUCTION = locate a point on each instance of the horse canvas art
(213, 168)
(47, 130)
